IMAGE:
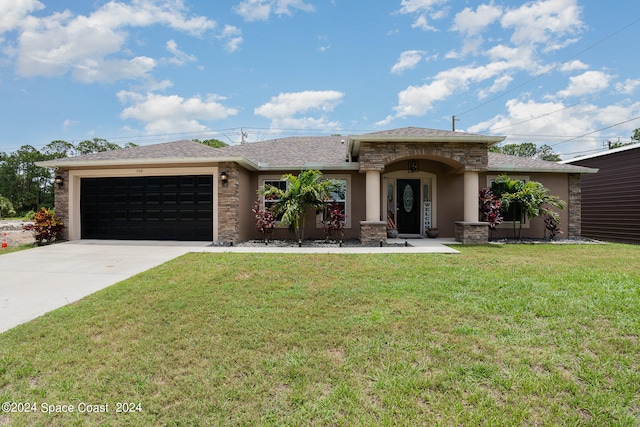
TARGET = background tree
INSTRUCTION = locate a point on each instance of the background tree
(528, 150)
(29, 187)
(306, 191)
(214, 143)
(6, 207)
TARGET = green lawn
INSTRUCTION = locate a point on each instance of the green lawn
(498, 335)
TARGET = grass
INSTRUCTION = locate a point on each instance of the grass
(499, 335)
(16, 248)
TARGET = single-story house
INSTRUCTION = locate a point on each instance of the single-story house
(184, 190)
(611, 198)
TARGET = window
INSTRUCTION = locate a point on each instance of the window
(341, 199)
(514, 212)
(278, 183)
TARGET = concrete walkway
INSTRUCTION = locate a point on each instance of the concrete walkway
(36, 281)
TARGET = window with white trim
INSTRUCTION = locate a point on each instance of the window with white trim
(509, 216)
(275, 182)
(341, 198)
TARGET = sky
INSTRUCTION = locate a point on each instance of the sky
(559, 72)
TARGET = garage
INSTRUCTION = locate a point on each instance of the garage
(147, 208)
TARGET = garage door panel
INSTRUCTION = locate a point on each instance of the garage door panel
(149, 208)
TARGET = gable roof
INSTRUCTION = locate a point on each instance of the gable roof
(297, 152)
(300, 152)
(184, 151)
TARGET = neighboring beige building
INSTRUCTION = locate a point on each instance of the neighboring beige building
(184, 190)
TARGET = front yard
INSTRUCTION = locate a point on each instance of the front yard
(499, 335)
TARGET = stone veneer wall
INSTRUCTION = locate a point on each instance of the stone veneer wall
(373, 232)
(228, 204)
(375, 155)
(575, 206)
(472, 233)
(61, 202)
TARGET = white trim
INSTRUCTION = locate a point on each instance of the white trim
(75, 176)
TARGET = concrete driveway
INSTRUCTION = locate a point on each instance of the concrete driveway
(36, 281)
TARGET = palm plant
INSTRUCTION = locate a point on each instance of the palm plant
(524, 200)
(306, 191)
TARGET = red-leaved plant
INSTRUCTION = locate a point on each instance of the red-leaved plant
(333, 223)
(490, 208)
(46, 226)
(265, 221)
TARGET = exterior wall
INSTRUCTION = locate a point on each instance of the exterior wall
(611, 197)
(355, 200)
(560, 185)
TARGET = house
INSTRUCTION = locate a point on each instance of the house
(611, 198)
(423, 178)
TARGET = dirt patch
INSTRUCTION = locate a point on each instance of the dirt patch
(15, 234)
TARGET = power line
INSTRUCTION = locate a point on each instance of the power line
(598, 130)
(550, 69)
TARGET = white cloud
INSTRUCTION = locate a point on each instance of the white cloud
(285, 109)
(173, 113)
(586, 83)
(543, 22)
(407, 61)
(573, 66)
(499, 84)
(13, 13)
(423, 8)
(232, 37)
(473, 23)
(87, 46)
(179, 57)
(628, 87)
(261, 10)
(418, 100)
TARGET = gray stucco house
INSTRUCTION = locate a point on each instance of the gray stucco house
(184, 190)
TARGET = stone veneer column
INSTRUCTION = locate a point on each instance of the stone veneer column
(228, 204)
(61, 202)
(574, 228)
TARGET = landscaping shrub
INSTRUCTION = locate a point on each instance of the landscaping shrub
(46, 226)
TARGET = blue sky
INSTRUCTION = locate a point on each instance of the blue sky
(558, 72)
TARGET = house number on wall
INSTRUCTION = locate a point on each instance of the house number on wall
(407, 198)
(139, 170)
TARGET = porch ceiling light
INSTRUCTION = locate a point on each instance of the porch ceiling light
(413, 166)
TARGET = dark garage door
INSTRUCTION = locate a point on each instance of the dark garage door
(147, 208)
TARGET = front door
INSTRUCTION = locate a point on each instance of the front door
(408, 208)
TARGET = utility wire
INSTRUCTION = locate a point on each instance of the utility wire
(550, 69)
(598, 130)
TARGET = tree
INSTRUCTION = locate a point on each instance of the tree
(96, 145)
(214, 143)
(306, 191)
(6, 207)
(521, 200)
(528, 150)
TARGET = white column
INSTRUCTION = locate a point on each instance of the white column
(373, 196)
(471, 204)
